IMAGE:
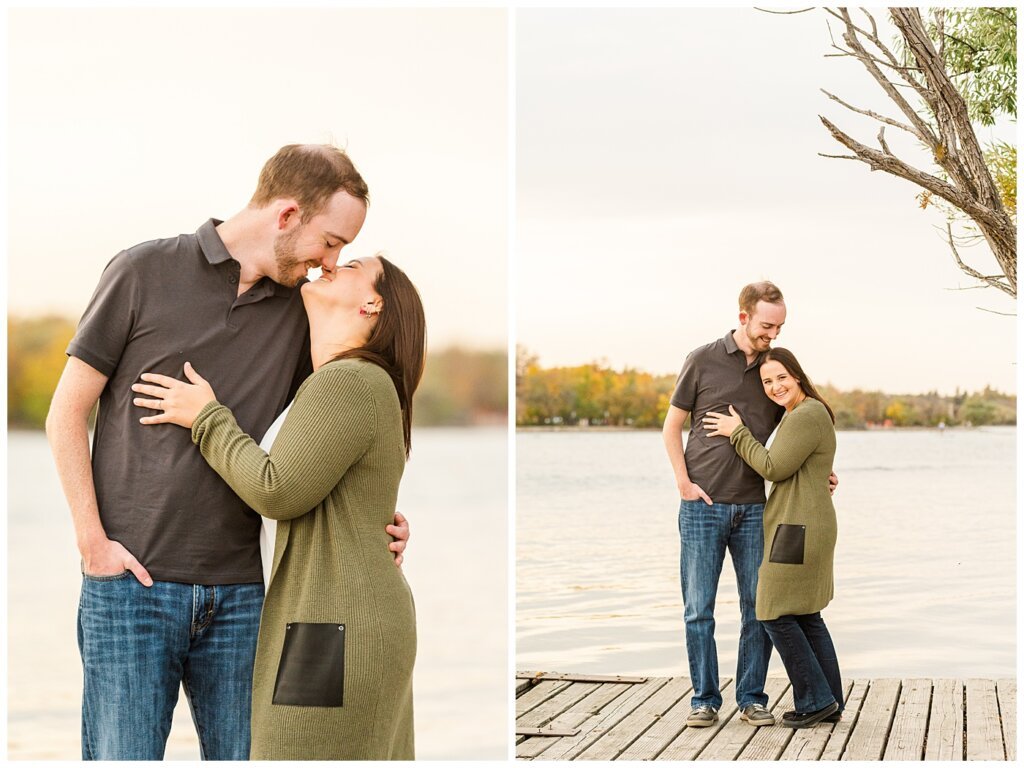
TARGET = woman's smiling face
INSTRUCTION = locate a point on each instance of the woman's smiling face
(780, 385)
(351, 285)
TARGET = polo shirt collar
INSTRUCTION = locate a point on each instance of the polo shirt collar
(732, 348)
(216, 253)
(730, 343)
(210, 242)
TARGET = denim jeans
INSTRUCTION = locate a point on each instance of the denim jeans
(705, 533)
(139, 644)
(807, 652)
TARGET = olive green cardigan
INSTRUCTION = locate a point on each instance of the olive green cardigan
(799, 463)
(331, 480)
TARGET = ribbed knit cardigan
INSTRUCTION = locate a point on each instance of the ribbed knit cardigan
(331, 481)
(798, 463)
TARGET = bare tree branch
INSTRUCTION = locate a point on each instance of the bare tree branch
(874, 26)
(895, 96)
(876, 116)
(881, 141)
(996, 312)
(784, 13)
(950, 110)
(895, 166)
(997, 281)
(890, 59)
(943, 125)
(898, 68)
(964, 43)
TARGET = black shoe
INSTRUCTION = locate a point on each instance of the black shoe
(835, 717)
(806, 720)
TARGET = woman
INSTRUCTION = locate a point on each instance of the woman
(794, 581)
(333, 672)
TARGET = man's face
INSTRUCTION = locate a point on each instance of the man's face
(318, 241)
(764, 325)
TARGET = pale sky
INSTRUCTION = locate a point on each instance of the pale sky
(666, 157)
(127, 125)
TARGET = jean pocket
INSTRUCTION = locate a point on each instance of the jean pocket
(788, 544)
(311, 672)
(114, 577)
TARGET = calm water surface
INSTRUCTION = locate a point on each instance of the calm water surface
(454, 493)
(925, 561)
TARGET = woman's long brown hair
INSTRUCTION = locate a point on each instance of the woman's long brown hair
(788, 361)
(398, 342)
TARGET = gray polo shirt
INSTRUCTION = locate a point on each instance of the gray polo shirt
(714, 377)
(157, 305)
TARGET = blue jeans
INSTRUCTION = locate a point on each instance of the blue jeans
(138, 644)
(807, 652)
(705, 533)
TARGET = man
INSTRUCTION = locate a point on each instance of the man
(722, 501)
(172, 576)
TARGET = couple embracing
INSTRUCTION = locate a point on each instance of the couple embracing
(756, 478)
(229, 385)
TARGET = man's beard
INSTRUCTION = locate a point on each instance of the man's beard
(757, 342)
(284, 258)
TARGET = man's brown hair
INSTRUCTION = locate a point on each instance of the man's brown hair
(310, 174)
(755, 292)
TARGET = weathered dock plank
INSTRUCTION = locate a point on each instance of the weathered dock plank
(614, 742)
(883, 720)
(548, 710)
(984, 734)
(809, 743)
(768, 742)
(546, 730)
(946, 722)
(910, 723)
(1006, 691)
(691, 741)
(867, 741)
(653, 741)
(733, 737)
(573, 717)
(597, 725)
(578, 678)
(840, 736)
(538, 695)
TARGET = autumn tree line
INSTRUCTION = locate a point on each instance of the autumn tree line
(595, 394)
(460, 387)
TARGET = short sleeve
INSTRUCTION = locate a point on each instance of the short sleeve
(108, 321)
(685, 394)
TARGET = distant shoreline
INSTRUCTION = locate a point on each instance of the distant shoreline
(611, 428)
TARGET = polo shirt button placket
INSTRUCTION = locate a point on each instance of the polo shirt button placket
(233, 276)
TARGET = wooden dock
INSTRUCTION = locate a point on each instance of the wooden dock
(594, 717)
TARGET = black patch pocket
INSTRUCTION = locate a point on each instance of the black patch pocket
(788, 544)
(312, 668)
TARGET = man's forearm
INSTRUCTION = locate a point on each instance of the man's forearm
(68, 435)
(676, 457)
(672, 435)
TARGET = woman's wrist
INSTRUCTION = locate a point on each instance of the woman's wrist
(201, 418)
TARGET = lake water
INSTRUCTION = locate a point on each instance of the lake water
(925, 562)
(455, 495)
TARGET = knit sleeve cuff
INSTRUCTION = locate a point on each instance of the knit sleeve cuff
(736, 433)
(202, 420)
